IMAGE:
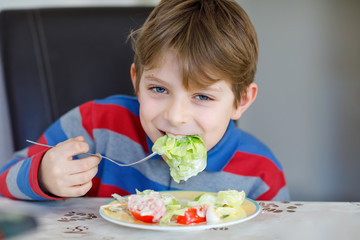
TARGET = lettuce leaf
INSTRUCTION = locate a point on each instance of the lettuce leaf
(230, 198)
(185, 155)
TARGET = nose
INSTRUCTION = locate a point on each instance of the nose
(178, 112)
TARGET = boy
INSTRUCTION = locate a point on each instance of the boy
(193, 73)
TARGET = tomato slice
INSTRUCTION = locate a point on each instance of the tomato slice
(147, 218)
(191, 216)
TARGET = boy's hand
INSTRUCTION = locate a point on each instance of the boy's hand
(62, 176)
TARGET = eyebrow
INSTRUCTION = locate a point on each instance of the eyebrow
(208, 88)
(211, 88)
(153, 78)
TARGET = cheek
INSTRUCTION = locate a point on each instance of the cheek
(146, 112)
(149, 109)
(214, 120)
(214, 126)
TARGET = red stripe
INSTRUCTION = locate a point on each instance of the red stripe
(95, 187)
(108, 190)
(252, 165)
(33, 176)
(34, 149)
(115, 118)
(87, 118)
(4, 191)
(103, 190)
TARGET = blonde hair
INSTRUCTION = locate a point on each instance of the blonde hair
(210, 38)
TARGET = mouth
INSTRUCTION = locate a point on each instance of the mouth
(174, 134)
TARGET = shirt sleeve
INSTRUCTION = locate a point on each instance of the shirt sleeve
(19, 177)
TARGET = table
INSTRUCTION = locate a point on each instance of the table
(78, 218)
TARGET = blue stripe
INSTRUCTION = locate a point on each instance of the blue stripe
(250, 144)
(55, 134)
(234, 140)
(118, 176)
(223, 151)
(23, 180)
(9, 164)
(129, 102)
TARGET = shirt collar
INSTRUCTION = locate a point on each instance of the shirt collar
(223, 151)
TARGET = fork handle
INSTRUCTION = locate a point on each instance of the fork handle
(45, 145)
(99, 155)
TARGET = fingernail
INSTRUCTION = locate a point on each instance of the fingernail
(80, 138)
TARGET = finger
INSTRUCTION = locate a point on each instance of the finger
(79, 138)
(100, 156)
(83, 164)
(79, 190)
(71, 148)
(82, 178)
(62, 185)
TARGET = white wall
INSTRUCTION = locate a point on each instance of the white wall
(309, 90)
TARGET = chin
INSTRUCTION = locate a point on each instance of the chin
(155, 135)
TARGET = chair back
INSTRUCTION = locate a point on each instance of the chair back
(56, 59)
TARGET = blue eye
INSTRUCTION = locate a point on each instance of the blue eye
(159, 89)
(203, 97)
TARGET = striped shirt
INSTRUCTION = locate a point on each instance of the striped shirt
(112, 128)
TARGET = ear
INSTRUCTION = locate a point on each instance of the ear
(245, 102)
(133, 75)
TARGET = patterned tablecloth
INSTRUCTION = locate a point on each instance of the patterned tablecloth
(80, 218)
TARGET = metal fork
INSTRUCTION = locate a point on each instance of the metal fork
(99, 155)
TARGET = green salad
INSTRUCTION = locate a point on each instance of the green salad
(164, 208)
(185, 155)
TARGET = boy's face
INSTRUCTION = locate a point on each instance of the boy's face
(167, 107)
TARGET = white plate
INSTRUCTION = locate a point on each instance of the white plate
(251, 207)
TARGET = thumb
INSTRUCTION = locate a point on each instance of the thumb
(79, 138)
